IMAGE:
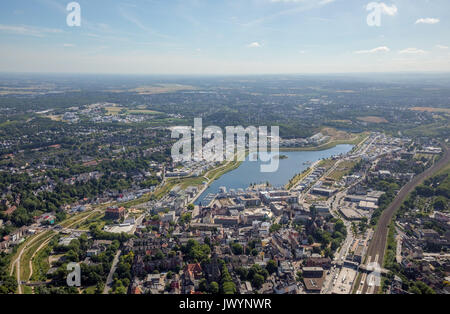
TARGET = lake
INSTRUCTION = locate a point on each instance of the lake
(249, 171)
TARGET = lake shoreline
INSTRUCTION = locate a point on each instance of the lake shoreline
(332, 144)
(249, 173)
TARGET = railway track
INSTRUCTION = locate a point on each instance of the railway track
(377, 246)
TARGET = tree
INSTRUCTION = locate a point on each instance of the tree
(242, 272)
(440, 203)
(340, 227)
(425, 191)
(191, 207)
(313, 212)
(334, 245)
(253, 242)
(159, 255)
(299, 276)
(328, 252)
(258, 281)
(185, 218)
(214, 287)
(9, 285)
(203, 285)
(237, 249)
(229, 288)
(120, 290)
(420, 287)
(274, 228)
(272, 267)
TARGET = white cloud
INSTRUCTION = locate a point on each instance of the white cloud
(412, 51)
(28, 30)
(389, 10)
(374, 50)
(427, 20)
(441, 47)
(68, 45)
(254, 45)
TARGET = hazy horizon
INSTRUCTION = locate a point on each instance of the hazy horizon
(245, 37)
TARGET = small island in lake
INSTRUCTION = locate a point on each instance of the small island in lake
(281, 157)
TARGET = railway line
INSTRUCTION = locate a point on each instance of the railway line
(377, 246)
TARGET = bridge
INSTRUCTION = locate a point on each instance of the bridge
(366, 269)
(362, 268)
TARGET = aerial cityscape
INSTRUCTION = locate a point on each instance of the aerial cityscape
(192, 152)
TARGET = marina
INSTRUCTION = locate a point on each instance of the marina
(249, 172)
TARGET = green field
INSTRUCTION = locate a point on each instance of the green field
(343, 169)
(355, 141)
(295, 180)
(116, 110)
(25, 270)
(143, 111)
(41, 265)
(220, 171)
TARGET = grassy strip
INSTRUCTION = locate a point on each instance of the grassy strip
(295, 180)
(36, 242)
(390, 255)
(343, 169)
(41, 265)
(19, 249)
(72, 220)
(192, 182)
(26, 257)
(445, 170)
(85, 225)
(391, 247)
(217, 173)
(357, 283)
(166, 188)
(326, 163)
(333, 143)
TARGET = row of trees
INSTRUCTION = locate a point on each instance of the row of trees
(122, 276)
(256, 274)
(8, 284)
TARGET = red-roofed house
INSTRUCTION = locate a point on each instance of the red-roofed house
(194, 271)
(115, 213)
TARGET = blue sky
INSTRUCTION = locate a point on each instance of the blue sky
(224, 36)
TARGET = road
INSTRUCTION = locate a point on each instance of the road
(377, 246)
(343, 250)
(196, 197)
(109, 280)
(34, 254)
(137, 223)
(333, 203)
(16, 263)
